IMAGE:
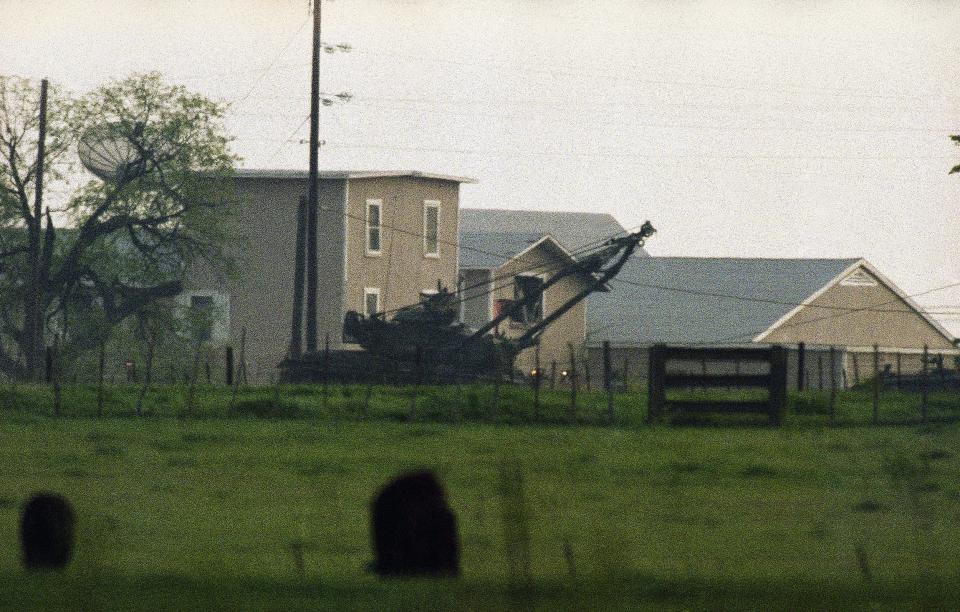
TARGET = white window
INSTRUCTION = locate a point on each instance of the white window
(525, 286)
(431, 228)
(207, 314)
(374, 213)
(202, 315)
(371, 301)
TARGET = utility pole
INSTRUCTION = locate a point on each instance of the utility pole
(33, 319)
(312, 206)
(296, 324)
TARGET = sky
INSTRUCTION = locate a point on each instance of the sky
(748, 129)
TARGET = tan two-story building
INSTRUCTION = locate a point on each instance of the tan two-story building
(384, 239)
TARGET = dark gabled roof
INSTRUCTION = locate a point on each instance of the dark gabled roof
(492, 249)
(571, 229)
(671, 305)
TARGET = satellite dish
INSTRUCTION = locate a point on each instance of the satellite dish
(108, 154)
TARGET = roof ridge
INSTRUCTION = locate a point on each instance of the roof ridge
(750, 258)
(300, 174)
(531, 210)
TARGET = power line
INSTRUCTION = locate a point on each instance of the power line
(607, 154)
(548, 267)
(288, 139)
(743, 298)
(579, 73)
(583, 249)
(197, 76)
(589, 71)
(564, 103)
(266, 70)
(627, 122)
(752, 334)
(419, 235)
(491, 286)
(632, 154)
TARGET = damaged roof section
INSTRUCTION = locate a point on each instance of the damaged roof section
(573, 230)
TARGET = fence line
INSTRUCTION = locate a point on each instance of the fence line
(809, 367)
(917, 374)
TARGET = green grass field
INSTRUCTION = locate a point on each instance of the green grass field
(207, 511)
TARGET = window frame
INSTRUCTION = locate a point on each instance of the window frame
(367, 291)
(428, 204)
(379, 227)
(543, 300)
(208, 309)
(220, 328)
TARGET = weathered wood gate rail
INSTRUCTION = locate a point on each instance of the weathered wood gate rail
(775, 380)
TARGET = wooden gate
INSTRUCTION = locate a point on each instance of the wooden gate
(774, 380)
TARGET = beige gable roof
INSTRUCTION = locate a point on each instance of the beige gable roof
(859, 273)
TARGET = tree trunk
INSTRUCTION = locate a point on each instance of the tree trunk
(33, 317)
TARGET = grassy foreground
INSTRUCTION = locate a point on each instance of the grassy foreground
(510, 404)
(210, 512)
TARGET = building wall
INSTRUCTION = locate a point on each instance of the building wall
(569, 328)
(821, 323)
(476, 299)
(402, 270)
(261, 293)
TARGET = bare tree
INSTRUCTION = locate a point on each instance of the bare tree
(126, 239)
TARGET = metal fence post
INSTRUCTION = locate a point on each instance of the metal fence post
(801, 364)
(572, 416)
(833, 385)
(778, 384)
(876, 384)
(607, 383)
(536, 384)
(228, 366)
(923, 386)
(656, 394)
